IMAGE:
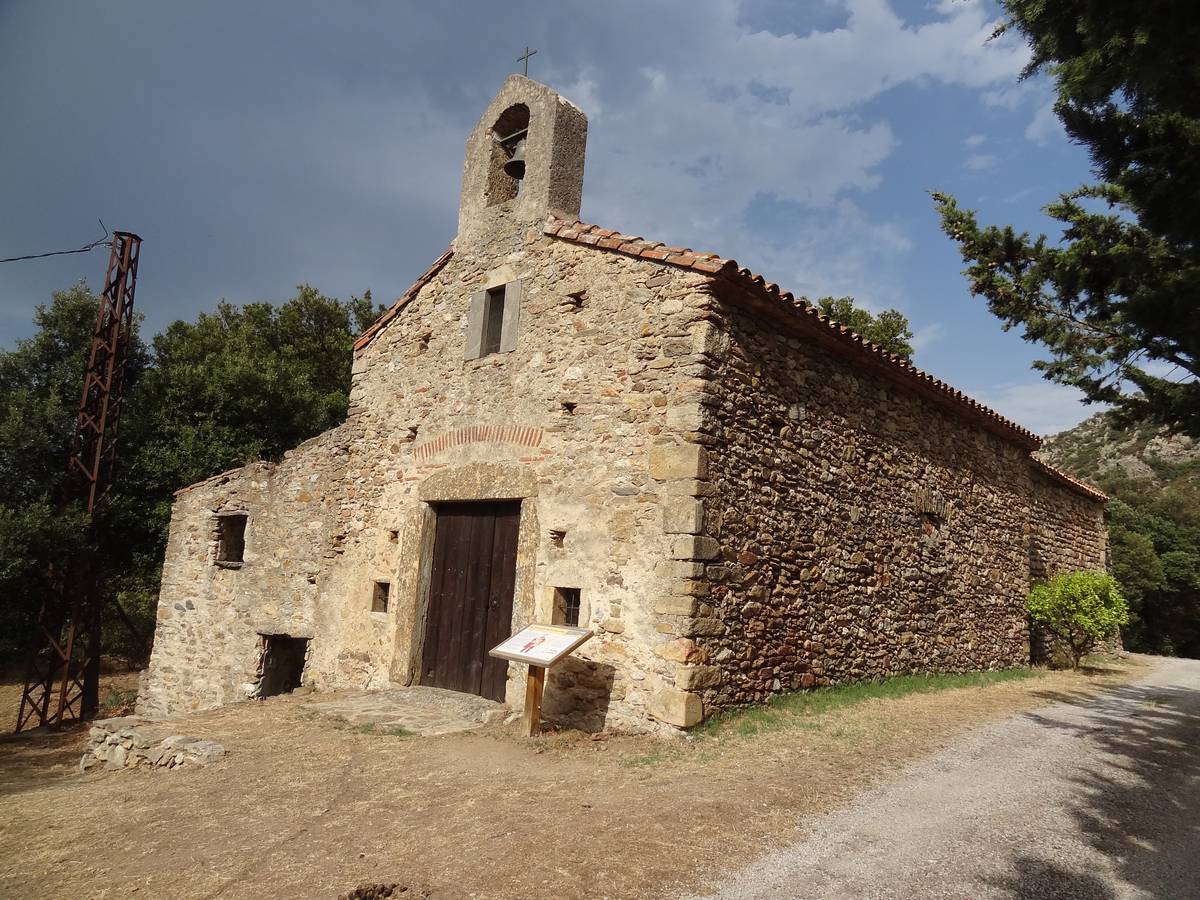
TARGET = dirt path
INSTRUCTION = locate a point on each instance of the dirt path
(302, 809)
(1094, 800)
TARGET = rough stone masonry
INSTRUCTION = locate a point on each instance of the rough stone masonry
(737, 495)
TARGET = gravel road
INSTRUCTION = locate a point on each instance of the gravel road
(1096, 799)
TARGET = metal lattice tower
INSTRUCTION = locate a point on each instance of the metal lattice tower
(62, 680)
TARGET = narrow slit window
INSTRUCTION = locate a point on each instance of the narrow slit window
(380, 595)
(493, 321)
(566, 606)
(231, 539)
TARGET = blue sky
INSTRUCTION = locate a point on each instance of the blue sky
(258, 146)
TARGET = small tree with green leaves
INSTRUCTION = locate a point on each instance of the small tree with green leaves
(1080, 608)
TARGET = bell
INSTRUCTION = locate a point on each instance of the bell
(515, 167)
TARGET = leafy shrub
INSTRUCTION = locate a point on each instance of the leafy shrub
(1080, 608)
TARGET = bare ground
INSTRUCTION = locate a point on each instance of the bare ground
(301, 808)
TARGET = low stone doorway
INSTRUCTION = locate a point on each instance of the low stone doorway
(281, 664)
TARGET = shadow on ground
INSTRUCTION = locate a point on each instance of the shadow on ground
(1141, 809)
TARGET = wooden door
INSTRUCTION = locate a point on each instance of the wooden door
(471, 585)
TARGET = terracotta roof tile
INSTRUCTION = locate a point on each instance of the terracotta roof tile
(711, 263)
(1060, 475)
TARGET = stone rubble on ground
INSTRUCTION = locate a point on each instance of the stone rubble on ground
(128, 742)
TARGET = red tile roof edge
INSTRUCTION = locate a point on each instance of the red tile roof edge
(1060, 475)
(367, 336)
(710, 263)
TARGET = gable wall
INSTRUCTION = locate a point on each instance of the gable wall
(425, 425)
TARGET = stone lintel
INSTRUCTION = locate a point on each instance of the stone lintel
(696, 678)
(689, 487)
(683, 515)
(695, 546)
(676, 606)
(678, 708)
(677, 462)
(700, 627)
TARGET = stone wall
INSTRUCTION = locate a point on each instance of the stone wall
(1070, 530)
(852, 527)
(211, 615)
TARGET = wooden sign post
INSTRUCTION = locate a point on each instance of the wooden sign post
(539, 647)
(535, 686)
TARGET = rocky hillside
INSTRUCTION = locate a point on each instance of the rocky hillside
(1101, 453)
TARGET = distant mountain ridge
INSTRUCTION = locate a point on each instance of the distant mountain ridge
(1105, 454)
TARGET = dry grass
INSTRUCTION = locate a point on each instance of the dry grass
(302, 809)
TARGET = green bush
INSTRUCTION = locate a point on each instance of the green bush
(1079, 608)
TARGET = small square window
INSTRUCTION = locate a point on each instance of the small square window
(380, 595)
(566, 606)
(231, 539)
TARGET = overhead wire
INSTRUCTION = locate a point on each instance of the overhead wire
(99, 242)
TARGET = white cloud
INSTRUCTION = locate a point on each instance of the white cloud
(1045, 125)
(975, 140)
(926, 336)
(688, 149)
(978, 162)
(1043, 407)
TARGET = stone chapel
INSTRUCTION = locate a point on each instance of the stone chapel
(561, 423)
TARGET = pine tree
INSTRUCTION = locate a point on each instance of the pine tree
(1116, 301)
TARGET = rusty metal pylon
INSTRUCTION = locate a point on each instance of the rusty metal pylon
(62, 680)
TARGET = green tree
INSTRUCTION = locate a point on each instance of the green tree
(889, 329)
(240, 384)
(1080, 609)
(40, 384)
(1157, 561)
(1121, 290)
(237, 385)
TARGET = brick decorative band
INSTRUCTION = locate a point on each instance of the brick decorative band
(522, 436)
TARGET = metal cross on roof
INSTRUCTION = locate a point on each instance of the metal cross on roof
(525, 59)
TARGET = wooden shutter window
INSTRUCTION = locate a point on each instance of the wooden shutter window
(512, 317)
(474, 348)
(493, 321)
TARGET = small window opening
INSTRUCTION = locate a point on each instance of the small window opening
(393, 536)
(576, 298)
(568, 407)
(566, 606)
(557, 537)
(231, 539)
(280, 664)
(931, 524)
(493, 321)
(380, 594)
